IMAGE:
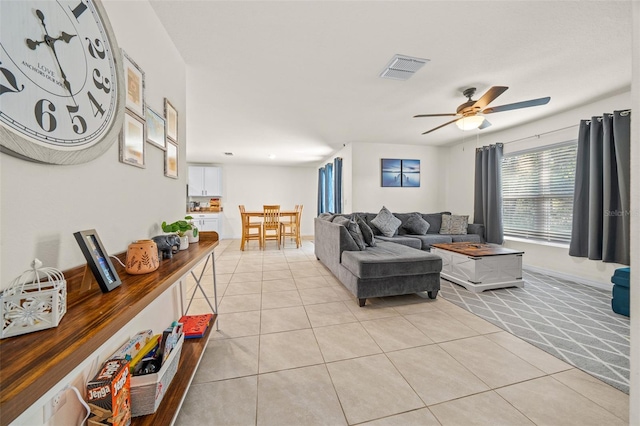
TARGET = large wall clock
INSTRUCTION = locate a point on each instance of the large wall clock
(61, 81)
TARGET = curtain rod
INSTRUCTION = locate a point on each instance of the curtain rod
(542, 134)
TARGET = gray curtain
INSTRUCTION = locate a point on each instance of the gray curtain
(487, 202)
(337, 184)
(601, 203)
(321, 208)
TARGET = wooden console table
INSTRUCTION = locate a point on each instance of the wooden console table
(34, 363)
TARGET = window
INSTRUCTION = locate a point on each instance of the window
(537, 188)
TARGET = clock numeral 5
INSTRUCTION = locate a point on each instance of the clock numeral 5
(11, 80)
(81, 126)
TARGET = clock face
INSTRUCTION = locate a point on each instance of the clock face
(60, 82)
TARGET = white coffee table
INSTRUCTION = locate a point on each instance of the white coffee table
(479, 267)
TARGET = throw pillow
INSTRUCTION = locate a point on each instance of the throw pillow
(367, 232)
(454, 224)
(356, 234)
(386, 222)
(417, 225)
(348, 243)
(340, 220)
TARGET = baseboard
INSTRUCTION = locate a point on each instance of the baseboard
(581, 280)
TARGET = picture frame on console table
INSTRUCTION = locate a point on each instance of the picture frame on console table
(98, 260)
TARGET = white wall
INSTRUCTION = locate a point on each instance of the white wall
(368, 195)
(460, 182)
(255, 186)
(634, 394)
(43, 205)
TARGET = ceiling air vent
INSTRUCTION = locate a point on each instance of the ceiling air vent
(402, 67)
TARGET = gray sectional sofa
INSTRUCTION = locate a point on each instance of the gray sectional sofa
(395, 265)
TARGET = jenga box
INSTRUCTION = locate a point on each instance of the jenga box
(109, 394)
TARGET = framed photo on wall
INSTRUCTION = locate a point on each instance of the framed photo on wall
(171, 160)
(171, 115)
(156, 130)
(132, 140)
(400, 173)
(134, 85)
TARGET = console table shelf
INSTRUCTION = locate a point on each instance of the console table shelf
(33, 363)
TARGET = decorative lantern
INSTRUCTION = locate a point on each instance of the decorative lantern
(36, 300)
(142, 257)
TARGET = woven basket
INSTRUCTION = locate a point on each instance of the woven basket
(36, 300)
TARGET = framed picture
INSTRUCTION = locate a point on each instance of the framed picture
(171, 115)
(132, 140)
(171, 160)
(134, 85)
(156, 129)
(98, 260)
(400, 173)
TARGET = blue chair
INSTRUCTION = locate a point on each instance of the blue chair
(620, 299)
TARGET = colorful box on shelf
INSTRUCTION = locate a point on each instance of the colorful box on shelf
(148, 390)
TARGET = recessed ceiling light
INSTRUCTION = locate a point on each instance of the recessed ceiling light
(402, 67)
(230, 154)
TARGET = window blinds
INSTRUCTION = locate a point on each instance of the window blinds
(538, 193)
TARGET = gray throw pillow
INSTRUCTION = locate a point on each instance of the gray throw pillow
(340, 220)
(416, 225)
(356, 234)
(386, 222)
(454, 224)
(367, 232)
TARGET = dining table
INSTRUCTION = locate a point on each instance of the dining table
(283, 213)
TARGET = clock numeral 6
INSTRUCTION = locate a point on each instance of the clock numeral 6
(95, 48)
(45, 119)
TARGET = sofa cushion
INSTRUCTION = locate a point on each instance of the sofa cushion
(356, 234)
(405, 240)
(386, 222)
(454, 224)
(347, 242)
(367, 232)
(416, 225)
(466, 238)
(435, 221)
(428, 239)
(389, 260)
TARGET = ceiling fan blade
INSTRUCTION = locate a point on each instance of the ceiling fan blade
(484, 124)
(453, 114)
(489, 96)
(442, 125)
(518, 105)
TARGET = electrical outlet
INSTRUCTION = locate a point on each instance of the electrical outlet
(54, 404)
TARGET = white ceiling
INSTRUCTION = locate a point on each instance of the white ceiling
(299, 79)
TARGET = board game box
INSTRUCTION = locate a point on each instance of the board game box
(195, 325)
(109, 394)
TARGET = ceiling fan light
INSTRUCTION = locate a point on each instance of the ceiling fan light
(470, 123)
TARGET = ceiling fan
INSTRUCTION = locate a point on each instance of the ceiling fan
(468, 114)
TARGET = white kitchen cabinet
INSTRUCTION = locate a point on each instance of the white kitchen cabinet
(205, 181)
(208, 222)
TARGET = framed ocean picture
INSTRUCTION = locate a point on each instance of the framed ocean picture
(400, 173)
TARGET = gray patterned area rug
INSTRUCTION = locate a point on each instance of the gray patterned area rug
(571, 321)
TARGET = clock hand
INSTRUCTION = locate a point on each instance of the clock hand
(50, 42)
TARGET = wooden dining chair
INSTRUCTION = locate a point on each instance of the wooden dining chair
(271, 224)
(247, 227)
(291, 227)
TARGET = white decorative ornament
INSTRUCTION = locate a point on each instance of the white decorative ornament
(36, 300)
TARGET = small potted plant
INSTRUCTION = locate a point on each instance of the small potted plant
(179, 227)
(193, 233)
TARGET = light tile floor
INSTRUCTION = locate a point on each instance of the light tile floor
(294, 348)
